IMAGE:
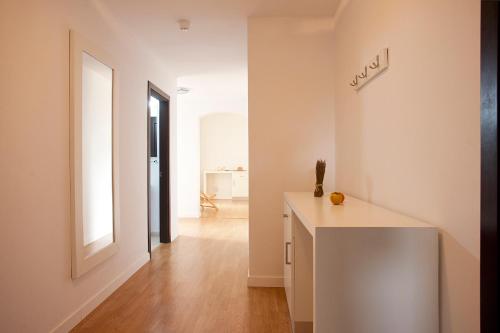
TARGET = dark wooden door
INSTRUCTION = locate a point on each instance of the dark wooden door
(489, 110)
(163, 149)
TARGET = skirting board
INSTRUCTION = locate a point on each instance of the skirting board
(303, 327)
(265, 281)
(67, 324)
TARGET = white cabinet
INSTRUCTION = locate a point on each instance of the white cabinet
(298, 272)
(240, 184)
(358, 268)
(226, 184)
(287, 256)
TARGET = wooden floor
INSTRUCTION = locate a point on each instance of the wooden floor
(195, 284)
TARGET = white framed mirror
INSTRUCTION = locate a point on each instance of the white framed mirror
(94, 155)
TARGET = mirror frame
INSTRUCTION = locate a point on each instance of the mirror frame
(81, 262)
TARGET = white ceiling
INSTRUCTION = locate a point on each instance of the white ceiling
(210, 58)
(215, 92)
(217, 40)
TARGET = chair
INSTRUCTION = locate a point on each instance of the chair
(207, 201)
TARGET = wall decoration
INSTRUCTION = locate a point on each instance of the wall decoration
(94, 155)
(374, 68)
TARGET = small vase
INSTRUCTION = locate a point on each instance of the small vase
(318, 192)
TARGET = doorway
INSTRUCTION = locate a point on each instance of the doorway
(224, 181)
(158, 167)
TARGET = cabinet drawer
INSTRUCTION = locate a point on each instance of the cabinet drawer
(288, 256)
(240, 184)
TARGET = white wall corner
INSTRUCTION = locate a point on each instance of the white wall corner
(74, 318)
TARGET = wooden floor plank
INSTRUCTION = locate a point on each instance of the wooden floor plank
(195, 284)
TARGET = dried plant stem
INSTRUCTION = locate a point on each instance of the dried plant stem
(320, 174)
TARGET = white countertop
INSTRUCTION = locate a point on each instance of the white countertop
(353, 213)
(223, 171)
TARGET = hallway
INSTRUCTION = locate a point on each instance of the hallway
(195, 284)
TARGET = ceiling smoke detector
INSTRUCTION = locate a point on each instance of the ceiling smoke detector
(183, 90)
(184, 24)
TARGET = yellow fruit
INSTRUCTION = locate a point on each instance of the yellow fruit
(336, 198)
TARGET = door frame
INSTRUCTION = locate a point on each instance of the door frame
(164, 163)
(489, 171)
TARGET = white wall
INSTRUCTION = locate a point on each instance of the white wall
(188, 190)
(290, 72)
(37, 293)
(223, 144)
(224, 141)
(410, 139)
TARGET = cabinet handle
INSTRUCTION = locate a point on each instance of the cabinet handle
(287, 258)
(285, 215)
